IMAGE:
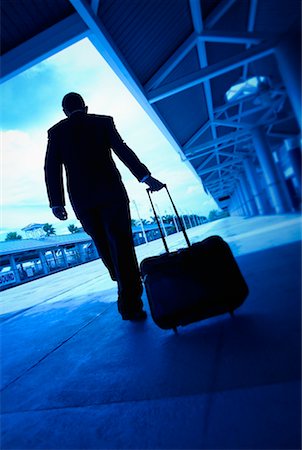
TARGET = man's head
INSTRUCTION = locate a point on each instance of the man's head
(73, 102)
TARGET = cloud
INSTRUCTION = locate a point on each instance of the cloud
(192, 189)
(32, 103)
(22, 168)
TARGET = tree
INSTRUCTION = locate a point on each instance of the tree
(13, 236)
(213, 215)
(73, 229)
(49, 229)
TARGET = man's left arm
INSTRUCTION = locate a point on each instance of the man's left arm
(129, 158)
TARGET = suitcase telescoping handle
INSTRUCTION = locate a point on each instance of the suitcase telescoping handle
(159, 225)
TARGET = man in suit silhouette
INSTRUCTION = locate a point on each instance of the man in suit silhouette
(82, 143)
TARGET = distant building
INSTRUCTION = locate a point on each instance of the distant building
(34, 230)
(27, 259)
(39, 255)
(151, 232)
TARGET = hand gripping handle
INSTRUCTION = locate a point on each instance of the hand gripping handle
(177, 215)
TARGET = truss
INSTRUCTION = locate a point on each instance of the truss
(216, 150)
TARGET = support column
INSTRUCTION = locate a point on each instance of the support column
(37, 268)
(55, 258)
(64, 257)
(251, 175)
(81, 252)
(276, 189)
(242, 206)
(248, 196)
(236, 203)
(96, 254)
(232, 207)
(14, 268)
(293, 148)
(140, 221)
(288, 55)
(238, 208)
(244, 198)
(44, 263)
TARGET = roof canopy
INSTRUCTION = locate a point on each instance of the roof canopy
(178, 58)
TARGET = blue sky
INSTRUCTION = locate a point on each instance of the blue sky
(31, 103)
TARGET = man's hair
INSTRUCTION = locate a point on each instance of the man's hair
(73, 101)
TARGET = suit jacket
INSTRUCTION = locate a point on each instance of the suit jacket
(82, 144)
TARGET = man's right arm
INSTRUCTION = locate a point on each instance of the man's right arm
(59, 212)
(54, 173)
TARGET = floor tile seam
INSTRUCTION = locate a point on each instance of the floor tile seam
(104, 404)
(248, 234)
(155, 399)
(56, 348)
(13, 316)
(213, 380)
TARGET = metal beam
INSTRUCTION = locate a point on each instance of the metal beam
(189, 81)
(223, 109)
(196, 13)
(238, 155)
(197, 135)
(222, 147)
(95, 6)
(248, 112)
(220, 184)
(107, 48)
(217, 167)
(231, 169)
(195, 8)
(250, 28)
(229, 37)
(252, 15)
(273, 121)
(220, 190)
(206, 162)
(222, 7)
(231, 124)
(218, 111)
(172, 62)
(229, 144)
(233, 136)
(281, 135)
(42, 46)
(232, 157)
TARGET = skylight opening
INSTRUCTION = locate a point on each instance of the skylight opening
(247, 87)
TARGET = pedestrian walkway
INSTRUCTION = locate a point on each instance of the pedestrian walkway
(75, 376)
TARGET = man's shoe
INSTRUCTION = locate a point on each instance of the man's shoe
(135, 316)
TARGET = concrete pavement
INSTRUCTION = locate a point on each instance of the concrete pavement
(74, 375)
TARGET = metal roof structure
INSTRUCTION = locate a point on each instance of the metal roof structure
(24, 245)
(178, 58)
(33, 226)
(45, 242)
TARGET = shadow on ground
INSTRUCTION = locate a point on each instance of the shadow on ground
(75, 376)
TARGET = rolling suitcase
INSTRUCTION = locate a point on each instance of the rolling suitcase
(194, 283)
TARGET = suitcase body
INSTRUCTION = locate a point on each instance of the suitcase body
(194, 283)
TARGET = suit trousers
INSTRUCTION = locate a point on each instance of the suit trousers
(110, 228)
